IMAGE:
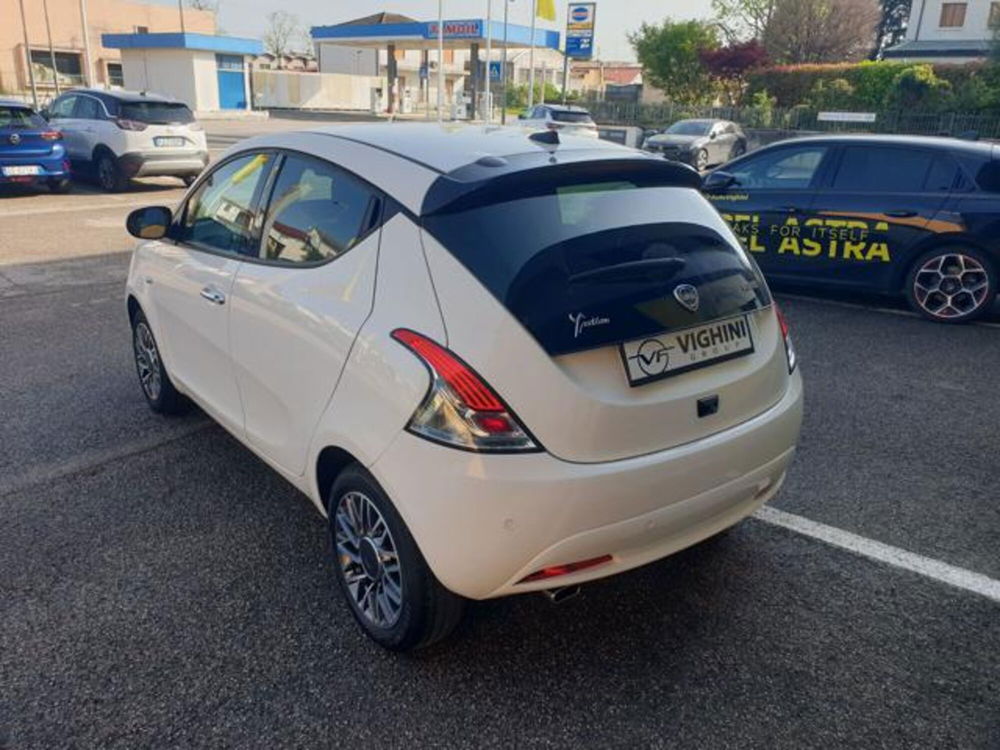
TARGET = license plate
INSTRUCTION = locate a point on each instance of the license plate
(168, 141)
(24, 171)
(667, 354)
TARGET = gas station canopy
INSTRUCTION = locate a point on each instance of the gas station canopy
(383, 29)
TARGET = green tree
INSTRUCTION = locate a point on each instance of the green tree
(919, 86)
(670, 57)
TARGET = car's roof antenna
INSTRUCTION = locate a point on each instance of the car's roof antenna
(546, 137)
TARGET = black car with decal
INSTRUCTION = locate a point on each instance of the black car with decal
(917, 216)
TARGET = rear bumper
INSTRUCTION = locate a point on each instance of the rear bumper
(155, 163)
(50, 168)
(486, 522)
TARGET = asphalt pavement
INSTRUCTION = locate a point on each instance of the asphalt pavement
(161, 587)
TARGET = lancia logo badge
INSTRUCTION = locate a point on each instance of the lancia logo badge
(15, 138)
(687, 296)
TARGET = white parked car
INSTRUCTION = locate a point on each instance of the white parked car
(118, 135)
(499, 364)
(567, 120)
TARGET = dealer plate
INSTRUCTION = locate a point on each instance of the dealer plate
(22, 171)
(667, 354)
(163, 140)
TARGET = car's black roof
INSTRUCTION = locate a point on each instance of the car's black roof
(566, 108)
(981, 149)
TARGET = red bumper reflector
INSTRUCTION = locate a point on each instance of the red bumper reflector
(555, 571)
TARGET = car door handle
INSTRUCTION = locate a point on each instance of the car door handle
(213, 295)
(901, 214)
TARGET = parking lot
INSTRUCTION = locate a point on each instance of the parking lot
(160, 586)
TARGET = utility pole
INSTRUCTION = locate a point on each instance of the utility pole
(531, 57)
(52, 50)
(440, 92)
(88, 67)
(180, 9)
(503, 66)
(27, 57)
(489, 61)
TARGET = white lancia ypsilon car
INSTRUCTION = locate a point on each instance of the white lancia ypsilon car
(499, 362)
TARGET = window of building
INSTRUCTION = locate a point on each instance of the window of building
(952, 15)
(994, 16)
(141, 29)
(116, 76)
(69, 68)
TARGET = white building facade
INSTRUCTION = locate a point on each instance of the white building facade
(948, 31)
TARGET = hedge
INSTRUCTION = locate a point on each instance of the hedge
(871, 86)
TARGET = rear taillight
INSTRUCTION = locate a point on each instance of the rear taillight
(793, 359)
(460, 409)
(52, 135)
(194, 126)
(553, 125)
(130, 124)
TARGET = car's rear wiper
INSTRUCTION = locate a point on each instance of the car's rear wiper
(655, 269)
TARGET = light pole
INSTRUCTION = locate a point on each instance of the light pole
(440, 91)
(27, 57)
(88, 68)
(503, 65)
(531, 57)
(52, 50)
(489, 61)
(180, 9)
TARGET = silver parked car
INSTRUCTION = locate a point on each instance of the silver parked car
(700, 143)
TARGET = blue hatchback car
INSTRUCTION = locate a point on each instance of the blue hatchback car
(31, 151)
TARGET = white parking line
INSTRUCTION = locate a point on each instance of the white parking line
(866, 308)
(961, 578)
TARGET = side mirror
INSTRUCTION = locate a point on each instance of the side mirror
(718, 180)
(150, 223)
(713, 135)
(44, 112)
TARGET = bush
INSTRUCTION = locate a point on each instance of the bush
(872, 86)
(517, 96)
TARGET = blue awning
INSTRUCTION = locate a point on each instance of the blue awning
(424, 34)
(232, 45)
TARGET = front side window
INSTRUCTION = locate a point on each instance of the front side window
(788, 169)
(63, 107)
(317, 212)
(883, 170)
(220, 215)
(87, 108)
(952, 15)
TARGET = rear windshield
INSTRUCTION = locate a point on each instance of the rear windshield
(157, 113)
(574, 117)
(591, 265)
(689, 127)
(19, 117)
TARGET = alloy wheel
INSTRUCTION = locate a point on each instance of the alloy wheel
(106, 173)
(368, 559)
(701, 160)
(951, 286)
(147, 360)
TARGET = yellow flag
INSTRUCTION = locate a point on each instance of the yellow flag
(546, 9)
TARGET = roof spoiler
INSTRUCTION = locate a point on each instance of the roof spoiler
(528, 175)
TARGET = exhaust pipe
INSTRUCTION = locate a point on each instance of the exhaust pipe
(560, 595)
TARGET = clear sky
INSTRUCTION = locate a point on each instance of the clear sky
(615, 18)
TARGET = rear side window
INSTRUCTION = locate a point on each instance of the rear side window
(875, 169)
(221, 214)
(599, 264)
(988, 177)
(572, 117)
(942, 175)
(317, 212)
(787, 169)
(20, 117)
(157, 113)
